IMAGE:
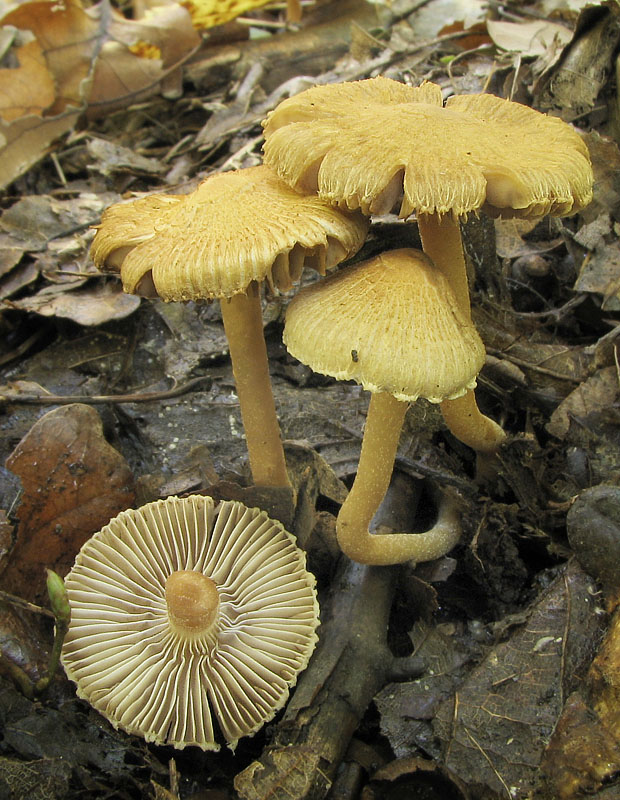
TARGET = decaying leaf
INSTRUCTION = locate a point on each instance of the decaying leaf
(74, 482)
(86, 306)
(581, 754)
(495, 727)
(109, 158)
(604, 681)
(597, 393)
(298, 768)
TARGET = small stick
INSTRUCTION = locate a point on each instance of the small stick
(142, 397)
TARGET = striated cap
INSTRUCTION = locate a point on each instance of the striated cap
(235, 228)
(181, 610)
(372, 143)
(392, 324)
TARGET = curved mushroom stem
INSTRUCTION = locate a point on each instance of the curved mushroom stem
(381, 435)
(441, 241)
(243, 324)
(469, 425)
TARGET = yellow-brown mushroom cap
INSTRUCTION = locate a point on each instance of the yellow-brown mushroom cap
(371, 143)
(181, 609)
(235, 228)
(392, 324)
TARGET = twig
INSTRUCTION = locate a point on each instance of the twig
(521, 362)
(142, 397)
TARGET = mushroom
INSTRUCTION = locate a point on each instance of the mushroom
(370, 143)
(393, 325)
(182, 609)
(234, 231)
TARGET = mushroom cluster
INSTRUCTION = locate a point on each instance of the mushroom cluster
(329, 165)
(475, 153)
(183, 610)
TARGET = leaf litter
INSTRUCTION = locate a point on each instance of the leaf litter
(484, 672)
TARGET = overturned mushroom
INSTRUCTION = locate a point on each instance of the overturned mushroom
(373, 143)
(393, 325)
(234, 231)
(182, 609)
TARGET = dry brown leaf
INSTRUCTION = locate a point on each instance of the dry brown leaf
(533, 38)
(79, 55)
(126, 71)
(581, 755)
(74, 482)
(604, 680)
(597, 393)
(28, 89)
(509, 235)
(26, 140)
(68, 36)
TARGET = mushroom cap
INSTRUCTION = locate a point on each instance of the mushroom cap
(392, 324)
(370, 143)
(234, 228)
(143, 673)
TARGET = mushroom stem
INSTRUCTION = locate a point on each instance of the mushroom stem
(441, 241)
(243, 324)
(381, 435)
(470, 425)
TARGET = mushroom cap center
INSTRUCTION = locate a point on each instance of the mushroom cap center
(193, 602)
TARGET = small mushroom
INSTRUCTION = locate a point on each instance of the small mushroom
(370, 144)
(181, 609)
(236, 230)
(393, 325)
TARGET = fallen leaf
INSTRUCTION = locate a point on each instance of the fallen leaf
(581, 756)
(74, 482)
(87, 306)
(126, 71)
(110, 158)
(35, 220)
(597, 393)
(494, 729)
(29, 88)
(604, 682)
(68, 36)
(18, 279)
(26, 140)
(533, 38)
(509, 236)
(600, 274)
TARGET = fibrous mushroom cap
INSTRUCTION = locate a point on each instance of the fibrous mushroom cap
(392, 324)
(371, 143)
(142, 673)
(235, 228)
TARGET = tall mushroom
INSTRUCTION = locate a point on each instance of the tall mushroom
(370, 144)
(393, 325)
(181, 609)
(236, 230)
